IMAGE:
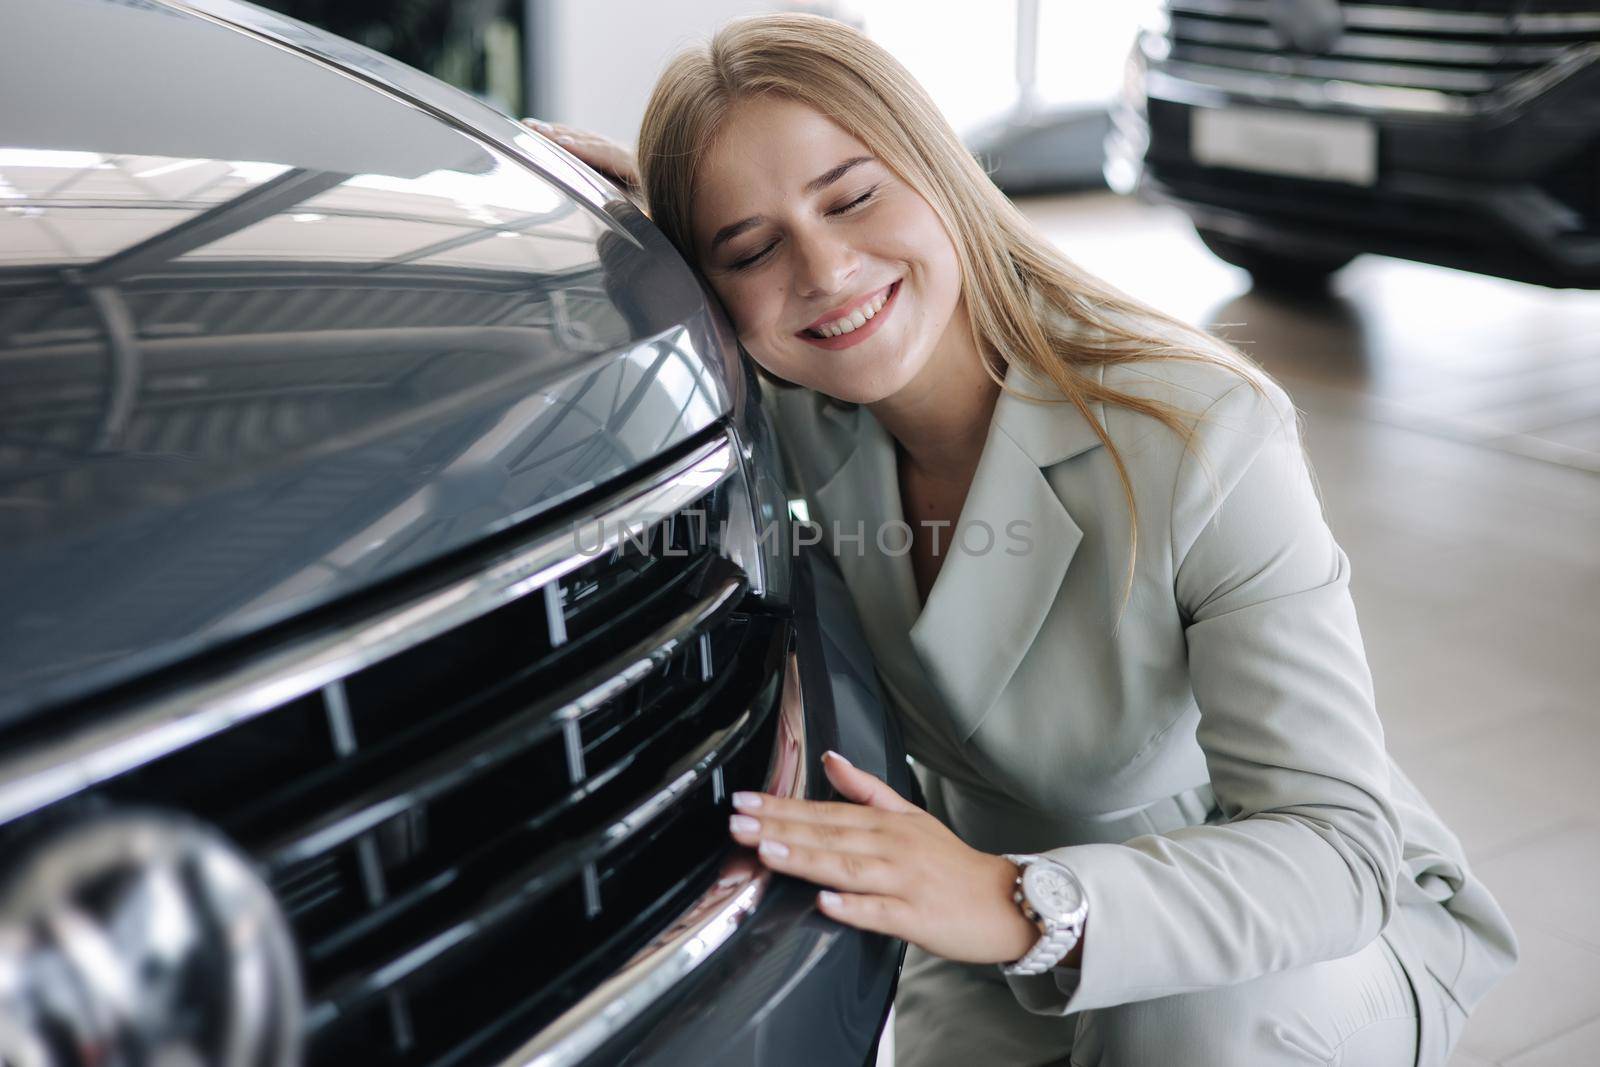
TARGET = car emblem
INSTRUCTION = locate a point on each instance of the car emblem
(142, 936)
(1307, 25)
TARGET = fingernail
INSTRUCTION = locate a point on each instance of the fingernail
(776, 849)
(831, 754)
(744, 824)
(747, 801)
(563, 139)
(829, 899)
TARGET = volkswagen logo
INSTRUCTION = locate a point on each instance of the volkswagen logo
(144, 937)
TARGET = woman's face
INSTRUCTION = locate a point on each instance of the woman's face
(797, 225)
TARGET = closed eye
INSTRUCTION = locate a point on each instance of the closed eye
(751, 260)
(857, 202)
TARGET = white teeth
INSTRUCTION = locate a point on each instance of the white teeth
(855, 320)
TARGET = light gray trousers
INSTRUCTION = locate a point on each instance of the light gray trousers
(1358, 1011)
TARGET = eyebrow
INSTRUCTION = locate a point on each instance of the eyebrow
(815, 185)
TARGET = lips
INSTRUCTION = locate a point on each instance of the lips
(845, 309)
(856, 336)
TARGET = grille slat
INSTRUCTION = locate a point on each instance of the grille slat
(1443, 79)
(540, 830)
(517, 891)
(1444, 48)
(1473, 54)
(509, 737)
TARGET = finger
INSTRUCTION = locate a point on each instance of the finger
(849, 871)
(861, 840)
(861, 787)
(594, 152)
(548, 130)
(880, 914)
(564, 136)
(836, 812)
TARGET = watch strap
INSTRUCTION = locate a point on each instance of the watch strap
(1055, 940)
(1046, 952)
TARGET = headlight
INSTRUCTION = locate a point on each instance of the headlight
(144, 938)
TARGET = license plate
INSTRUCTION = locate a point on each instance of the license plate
(1332, 148)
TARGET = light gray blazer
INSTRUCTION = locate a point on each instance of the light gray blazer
(1041, 723)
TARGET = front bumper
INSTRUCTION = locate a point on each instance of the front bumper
(1507, 183)
(788, 986)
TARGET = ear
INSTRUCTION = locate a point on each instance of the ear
(859, 786)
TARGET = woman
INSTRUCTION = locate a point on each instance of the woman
(1139, 707)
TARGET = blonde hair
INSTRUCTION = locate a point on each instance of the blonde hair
(1008, 268)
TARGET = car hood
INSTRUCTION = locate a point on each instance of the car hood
(281, 320)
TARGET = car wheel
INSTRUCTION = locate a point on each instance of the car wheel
(1272, 269)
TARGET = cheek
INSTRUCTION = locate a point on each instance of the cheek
(737, 302)
(756, 308)
(937, 249)
(913, 231)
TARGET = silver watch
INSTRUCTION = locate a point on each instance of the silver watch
(1052, 898)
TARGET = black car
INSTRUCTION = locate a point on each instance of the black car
(1300, 133)
(395, 581)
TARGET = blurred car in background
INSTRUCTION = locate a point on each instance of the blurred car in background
(397, 582)
(1298, 134)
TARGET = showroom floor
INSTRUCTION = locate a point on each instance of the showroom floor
(1454, 424)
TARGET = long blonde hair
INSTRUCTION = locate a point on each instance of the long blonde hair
(1008, 268)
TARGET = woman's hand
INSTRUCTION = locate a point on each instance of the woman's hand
(601, 153)
(890, 867)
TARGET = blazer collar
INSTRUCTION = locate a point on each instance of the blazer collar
(989, 600)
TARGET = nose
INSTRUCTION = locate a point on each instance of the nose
(824, 263)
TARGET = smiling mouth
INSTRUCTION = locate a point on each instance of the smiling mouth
(858, 318)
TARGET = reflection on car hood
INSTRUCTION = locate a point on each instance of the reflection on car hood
(271, 333)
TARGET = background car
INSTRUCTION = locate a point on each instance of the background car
(1298, 135)
(397, 581)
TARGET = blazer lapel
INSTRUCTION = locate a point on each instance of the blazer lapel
(997, 584)
(862, 496)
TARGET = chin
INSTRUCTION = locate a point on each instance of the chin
(858, 389)
(865, 382)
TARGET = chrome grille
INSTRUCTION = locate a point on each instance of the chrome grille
(1461, 48)
(476, 800)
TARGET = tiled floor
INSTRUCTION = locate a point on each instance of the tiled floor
(1454, 423)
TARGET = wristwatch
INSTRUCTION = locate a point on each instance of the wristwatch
(1052, 898)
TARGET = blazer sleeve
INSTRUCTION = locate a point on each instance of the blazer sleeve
(1303, 868)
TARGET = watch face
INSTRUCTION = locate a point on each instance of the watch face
(1053, 892)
